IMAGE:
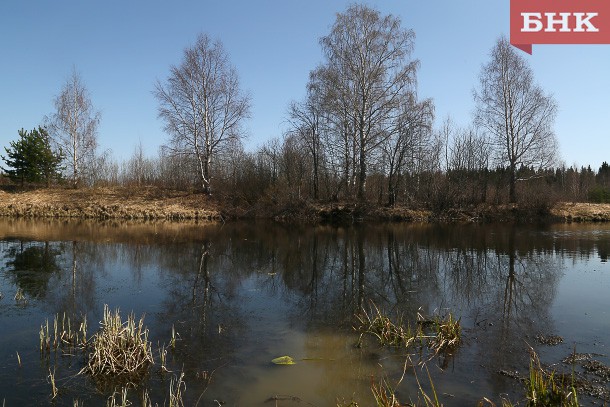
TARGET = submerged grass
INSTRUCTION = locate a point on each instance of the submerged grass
(384, 394)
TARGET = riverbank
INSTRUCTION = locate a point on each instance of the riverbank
(108, 203)
(149, 203)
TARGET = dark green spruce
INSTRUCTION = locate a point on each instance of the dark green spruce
(32, 159)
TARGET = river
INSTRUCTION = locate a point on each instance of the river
(238, 295)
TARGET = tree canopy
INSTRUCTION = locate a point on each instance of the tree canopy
(202, 105)
(73, 127)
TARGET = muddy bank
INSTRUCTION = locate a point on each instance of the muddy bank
(149, 203)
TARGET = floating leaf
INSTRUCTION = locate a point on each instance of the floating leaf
(283, 360)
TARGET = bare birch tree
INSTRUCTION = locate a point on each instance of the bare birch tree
(73, 127)
(516, 113)
(367, 70)
(202, 105)
(305, 118)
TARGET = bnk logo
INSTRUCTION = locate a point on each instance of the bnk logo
(559, 22)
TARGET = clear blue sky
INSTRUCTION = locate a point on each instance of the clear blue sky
(122, 47)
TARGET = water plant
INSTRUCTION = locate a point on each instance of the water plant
(387, 332)
(543, 389)
(172, 342)
(20, 297)
(448, 334)
(54, 390)
(62, 335)
(163, 358)
(422, 395)
(384, 394)
(119, 349)
(122, 401)
(45, 337)
(177, 387)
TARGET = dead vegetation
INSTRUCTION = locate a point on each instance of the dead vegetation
(150, 203)
(119, 349)
(109, 203)
(581, 212)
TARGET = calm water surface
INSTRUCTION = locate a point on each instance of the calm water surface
(241, 294)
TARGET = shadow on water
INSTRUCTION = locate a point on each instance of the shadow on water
(238, 295)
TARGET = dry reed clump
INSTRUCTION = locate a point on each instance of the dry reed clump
(119, 349)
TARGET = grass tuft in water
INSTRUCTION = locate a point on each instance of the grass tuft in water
(62, 336)
(384, 394)
(122, 401)
(387, 332)
(177, 387)
(447, 335)
(544, 390)
(119, 349)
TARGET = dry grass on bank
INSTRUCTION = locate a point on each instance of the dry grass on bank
(163, 204)
(108, 203)
(582, 212)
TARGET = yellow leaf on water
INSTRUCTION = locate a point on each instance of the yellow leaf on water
(283, 360)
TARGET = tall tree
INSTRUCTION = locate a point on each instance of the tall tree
(74, 126)
(367, 71)
(516, 113)
(202, 105)
(31, 158)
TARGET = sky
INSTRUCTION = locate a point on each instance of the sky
(122, 48)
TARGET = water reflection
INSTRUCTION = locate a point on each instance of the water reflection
(31, 265)
(241, 294)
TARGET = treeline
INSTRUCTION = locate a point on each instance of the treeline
(281, 173)
(361, 134)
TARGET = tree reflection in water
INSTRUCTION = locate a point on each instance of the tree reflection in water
(31, 265)
(241, 294)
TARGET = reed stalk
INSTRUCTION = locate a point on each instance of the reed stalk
(54, 390)
(177, 387)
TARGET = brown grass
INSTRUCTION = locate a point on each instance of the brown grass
(165, 204)
(582, 212)
(109, 203)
